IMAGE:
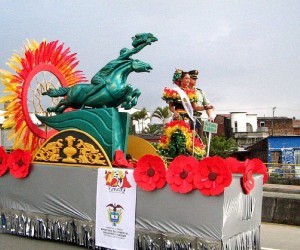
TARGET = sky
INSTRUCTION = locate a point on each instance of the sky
(247, 52)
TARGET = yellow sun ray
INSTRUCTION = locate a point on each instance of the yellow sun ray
(34, 58)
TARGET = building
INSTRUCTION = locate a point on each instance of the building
(278, 152)
(278, 149)
(224, 125)
(278, 126)
(242, 127)
(296, 126)
(248, 129)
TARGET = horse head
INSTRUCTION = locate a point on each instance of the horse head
(139, 66)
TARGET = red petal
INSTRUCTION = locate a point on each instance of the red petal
(185, 188)
(218, 190)
(207, 184)
(205, 191)
(161, 183)
(145, 178)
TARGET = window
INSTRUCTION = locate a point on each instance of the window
(262, 124)
(235, 126)
(297, 156)
(297, 161)
(276, 157)
(249, 127)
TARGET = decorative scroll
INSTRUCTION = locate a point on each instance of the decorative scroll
(72, 147)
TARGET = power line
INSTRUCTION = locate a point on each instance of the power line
(234, 109)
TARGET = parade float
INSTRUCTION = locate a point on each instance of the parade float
(67, 177)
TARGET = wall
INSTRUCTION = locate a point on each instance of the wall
(260, 150)
(285, 144)
(241, 119)
(7, 144)
(252, 119)
(224, 125)
(281, 125)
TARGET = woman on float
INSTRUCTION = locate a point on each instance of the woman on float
(182, 100)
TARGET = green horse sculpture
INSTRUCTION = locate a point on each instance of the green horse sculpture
(108, 87)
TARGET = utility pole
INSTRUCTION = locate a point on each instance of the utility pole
(273, 121)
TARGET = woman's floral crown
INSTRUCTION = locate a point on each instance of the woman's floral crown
(177, 75)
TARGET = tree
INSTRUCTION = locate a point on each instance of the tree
(162, 113)
(140, 117)
(222, 147)
(153, 129)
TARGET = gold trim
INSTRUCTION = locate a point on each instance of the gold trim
(93, 157)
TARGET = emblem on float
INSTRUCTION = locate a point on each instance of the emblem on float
(116, 180)
(114, 213)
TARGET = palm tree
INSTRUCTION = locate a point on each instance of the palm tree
(153, 129)
(140, 117)
(162, 113)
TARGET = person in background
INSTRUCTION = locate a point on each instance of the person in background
(202, 100)
(185, 100)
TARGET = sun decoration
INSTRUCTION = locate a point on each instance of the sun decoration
(36, 69)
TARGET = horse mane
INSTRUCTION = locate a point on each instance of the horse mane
(111, 66)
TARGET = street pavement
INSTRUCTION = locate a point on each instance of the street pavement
(273, 237)
(279, 236)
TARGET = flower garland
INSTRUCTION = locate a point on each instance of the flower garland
(3, 160)
(180, 174)
(171, 95)
(120, 160)
(247, 169)
(210, 175)
(18, 162)
(177, 139)
(150, 173)
(247, 180)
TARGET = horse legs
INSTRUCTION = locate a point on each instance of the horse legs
(135, 95)
(131, 97)
(60, 107)
(128, 97)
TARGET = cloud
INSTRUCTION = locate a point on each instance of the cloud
(247, 52)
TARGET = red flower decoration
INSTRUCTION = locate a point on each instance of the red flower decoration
(260, 168)
(247, 179)
(19, 163)
(163, 139)
(212, 176)
(121, 161)
(150, 172)
(3, 160)
(235, 166)
(180, 174)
